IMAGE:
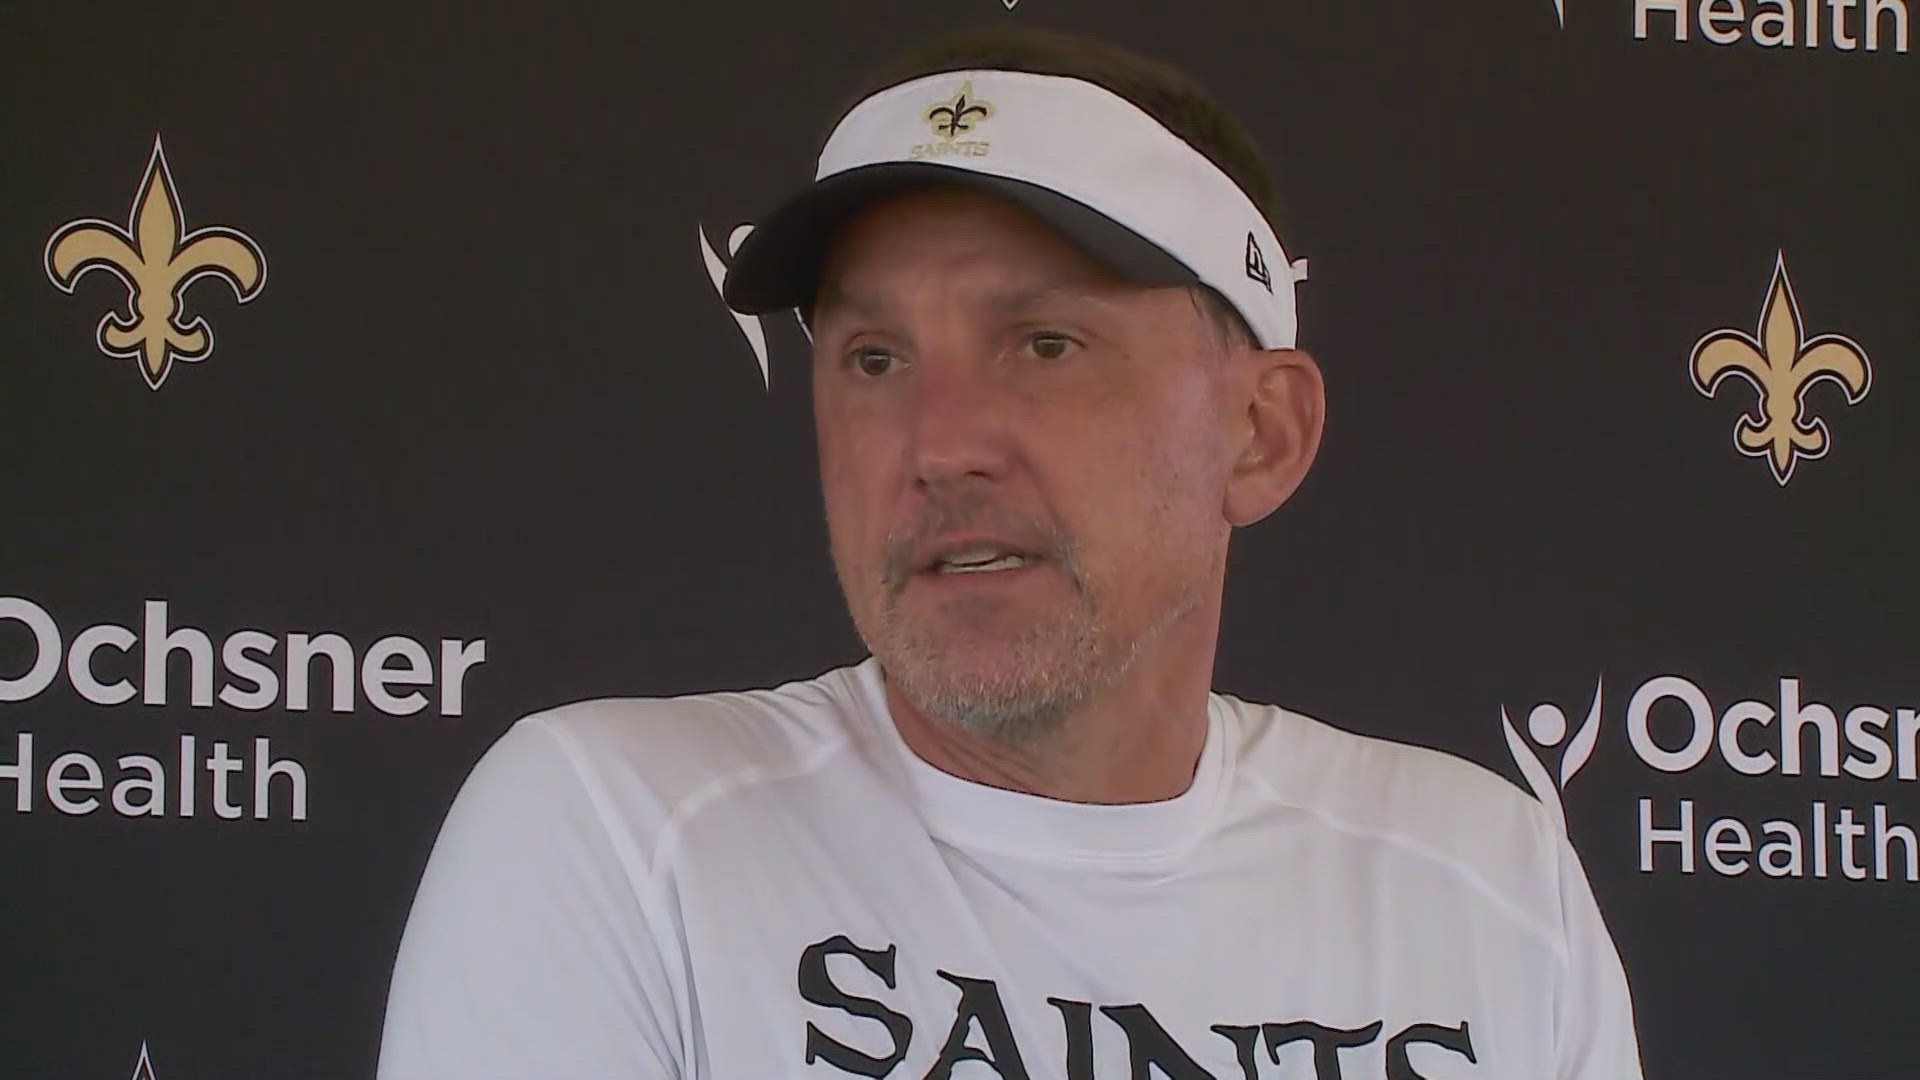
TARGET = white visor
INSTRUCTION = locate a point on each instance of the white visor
(1085, 159)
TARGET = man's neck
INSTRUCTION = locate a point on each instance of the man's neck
(1138, 740)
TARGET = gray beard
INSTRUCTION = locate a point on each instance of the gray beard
(1016, 689)
(1021, 692)
(1018, 693)
(1012, 688)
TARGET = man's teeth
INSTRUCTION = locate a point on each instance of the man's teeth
(973, 562)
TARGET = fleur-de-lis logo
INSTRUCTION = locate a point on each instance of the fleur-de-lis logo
(1781, 364)
(156, 258)
(950, 118)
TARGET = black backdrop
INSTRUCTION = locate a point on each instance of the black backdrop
(487, 392)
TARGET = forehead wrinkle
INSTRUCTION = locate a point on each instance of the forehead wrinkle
(1019, 301)
(835, 298)
(978, 233)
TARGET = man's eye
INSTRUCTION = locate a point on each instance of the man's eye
(1048, 345)
(871, 360)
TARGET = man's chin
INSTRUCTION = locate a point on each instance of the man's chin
(995, 684)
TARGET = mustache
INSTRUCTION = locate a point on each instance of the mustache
(974, 511)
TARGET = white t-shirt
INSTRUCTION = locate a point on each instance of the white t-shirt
(750, 886)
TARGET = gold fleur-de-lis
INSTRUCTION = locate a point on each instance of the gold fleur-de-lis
(950, 118)
(1781, 364)
(156, 259)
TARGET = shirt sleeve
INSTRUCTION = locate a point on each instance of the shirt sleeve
(1594, 1013)
(529, 952)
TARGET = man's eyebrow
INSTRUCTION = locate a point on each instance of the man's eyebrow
(1014, 302)
(836, 299)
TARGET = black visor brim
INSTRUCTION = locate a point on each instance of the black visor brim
(778, 264)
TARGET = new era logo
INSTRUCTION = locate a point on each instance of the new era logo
(1257, 264)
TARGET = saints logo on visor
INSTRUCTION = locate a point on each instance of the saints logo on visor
(950, 118)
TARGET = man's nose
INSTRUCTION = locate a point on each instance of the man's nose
(960, 421)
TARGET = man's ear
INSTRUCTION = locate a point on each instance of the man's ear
(1285, 412)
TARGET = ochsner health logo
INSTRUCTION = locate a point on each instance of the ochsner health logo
(1844, 26)
(751, 326)
(1813, 758)
(1547, 724)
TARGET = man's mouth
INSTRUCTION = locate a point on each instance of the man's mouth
(979, 560)
(1012, 552)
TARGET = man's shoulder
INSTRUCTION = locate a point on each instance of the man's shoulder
(1429, 804)
(747, 726)
(646, 757)
(1370, 776)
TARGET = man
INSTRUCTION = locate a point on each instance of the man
(1054, 368)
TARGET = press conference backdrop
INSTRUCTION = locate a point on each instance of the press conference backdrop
(366, 386)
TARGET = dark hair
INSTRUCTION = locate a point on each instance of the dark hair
(1160, 90)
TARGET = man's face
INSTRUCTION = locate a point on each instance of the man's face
(1023, 457)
